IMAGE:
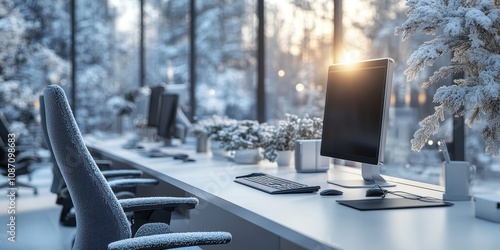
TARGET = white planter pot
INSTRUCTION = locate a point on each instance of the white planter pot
(308, 158)
(217, 150)
(247, 156)
(284, 158)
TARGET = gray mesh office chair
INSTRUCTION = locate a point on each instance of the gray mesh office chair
(24, 158)
(117, 178)
(101, 220)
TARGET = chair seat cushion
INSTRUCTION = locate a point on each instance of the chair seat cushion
(152, 229)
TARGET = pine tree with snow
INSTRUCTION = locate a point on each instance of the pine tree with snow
(471, 34)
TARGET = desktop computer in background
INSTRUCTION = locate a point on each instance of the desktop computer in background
(154, 106)
(356, 117)
(152, 121)
(167, 121)
(155, 114)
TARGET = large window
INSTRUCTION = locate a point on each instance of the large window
(112, 60)
(166, 46)
(125, 43)
(298, 51)
(225, 58)
(369, 33)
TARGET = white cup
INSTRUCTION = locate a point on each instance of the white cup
(458, 176)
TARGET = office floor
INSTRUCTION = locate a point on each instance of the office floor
(36, 216)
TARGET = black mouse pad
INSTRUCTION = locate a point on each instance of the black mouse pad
(390, 203)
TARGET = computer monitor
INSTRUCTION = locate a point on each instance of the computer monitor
(168, 110)
(356, 117)
(154, 106)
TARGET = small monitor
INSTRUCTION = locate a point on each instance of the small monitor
(154, 106)
(356, 117)
(168, 110)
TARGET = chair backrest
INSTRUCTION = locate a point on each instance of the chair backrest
(100, 219)
(3, 159)
(4, 130)
(57, 181)
(4, 134)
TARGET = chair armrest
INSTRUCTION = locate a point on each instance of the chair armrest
(172, 240)
(144, 209)
(121, 173)
(22, 156)
(132, 182)
(103, 164)
(156, 203)
(23, 148)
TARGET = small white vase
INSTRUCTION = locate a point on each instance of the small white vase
(284, 157)
(247, 156)
(215, 148)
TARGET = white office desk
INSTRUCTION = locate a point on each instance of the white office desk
(259, 220)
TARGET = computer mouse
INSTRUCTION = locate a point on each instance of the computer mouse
(330, 192)
(180, 156)
(154, 150)
(375, 192)
(189, 160)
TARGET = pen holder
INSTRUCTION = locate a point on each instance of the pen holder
(202, 144)
(458, 176)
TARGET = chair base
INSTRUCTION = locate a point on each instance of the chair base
(69, 219)
(19, 184)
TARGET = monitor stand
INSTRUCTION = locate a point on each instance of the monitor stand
(171, 143)
(371, 177)
(166, 142)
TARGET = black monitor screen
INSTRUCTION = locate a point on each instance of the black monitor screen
(356, 107)
(168, 110)
(154, 106)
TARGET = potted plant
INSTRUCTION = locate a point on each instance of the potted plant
(210, 129)
(282, 140)
(141, 126)
(244, 138)
(310, 128)
(200, 131)
(307, 146)
(121, 107)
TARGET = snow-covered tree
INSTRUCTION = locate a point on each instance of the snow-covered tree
(93, 60)
(27, 63)
(225, 65)
(298, 45)
(12, 30)
(471, 34)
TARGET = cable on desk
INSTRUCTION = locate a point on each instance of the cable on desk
(410, 196)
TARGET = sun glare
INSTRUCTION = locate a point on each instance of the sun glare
(351, 56)
(128, 15)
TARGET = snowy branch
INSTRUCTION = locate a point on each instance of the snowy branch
(471, 34)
